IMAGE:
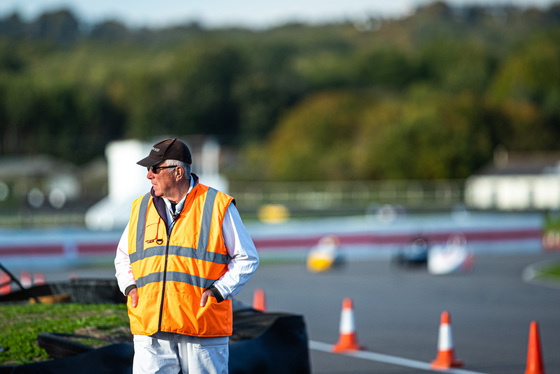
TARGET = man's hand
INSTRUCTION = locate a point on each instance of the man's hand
(134, 294)
(205, 295)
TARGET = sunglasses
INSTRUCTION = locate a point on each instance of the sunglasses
(157, 169)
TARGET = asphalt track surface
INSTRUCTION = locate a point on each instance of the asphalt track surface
(397, 312)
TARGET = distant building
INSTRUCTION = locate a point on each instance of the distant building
(516, 182)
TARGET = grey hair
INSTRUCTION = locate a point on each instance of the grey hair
(186, 167)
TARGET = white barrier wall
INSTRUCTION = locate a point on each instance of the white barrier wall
(513, 192)
(127, 181)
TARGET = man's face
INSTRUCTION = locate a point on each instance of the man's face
(162, 180)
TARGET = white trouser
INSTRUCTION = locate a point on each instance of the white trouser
(167, 353)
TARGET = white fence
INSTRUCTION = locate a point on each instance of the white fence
(348, 195)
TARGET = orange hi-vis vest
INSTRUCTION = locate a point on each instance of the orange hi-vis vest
(172, 272)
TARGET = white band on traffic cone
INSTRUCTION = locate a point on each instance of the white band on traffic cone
(347, 323)
(445, 337)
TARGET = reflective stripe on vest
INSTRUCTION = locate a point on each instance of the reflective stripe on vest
(174, 277)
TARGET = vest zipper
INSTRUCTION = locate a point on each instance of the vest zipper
(164, 275)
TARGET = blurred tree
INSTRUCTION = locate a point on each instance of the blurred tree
(326, 70)
(264, 88)
(438, 137)
(12, 27)
(314, 140)
(59, 27)
(63, 121)
(358, 136)
(456, 66)
(434, 11)
(11, 60)
(109, 32)
(527, 89)
(428, 136)
(192, 95)
(384, 67)
(427, 95)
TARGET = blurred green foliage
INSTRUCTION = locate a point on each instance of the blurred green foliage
(426, 96)
(20, 325)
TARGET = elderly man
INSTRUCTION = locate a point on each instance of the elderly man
(183, 255)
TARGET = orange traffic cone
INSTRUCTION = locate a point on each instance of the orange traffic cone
(259, 300)
(38, 279)
(445, 358)
(25, 279)
(347, 340)
(5, 283)
(534, 356)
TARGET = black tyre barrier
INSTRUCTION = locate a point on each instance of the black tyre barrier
(62, 345)
(23, 295)
(111, 359)
(92, 291)
(271, 343)
(84, 291)
(7, 369)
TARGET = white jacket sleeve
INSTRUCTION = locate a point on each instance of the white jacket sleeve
(124, 275)
(241, 248)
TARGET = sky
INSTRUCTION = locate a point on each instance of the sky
(218, 13)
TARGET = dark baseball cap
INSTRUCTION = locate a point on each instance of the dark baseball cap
(168, 149)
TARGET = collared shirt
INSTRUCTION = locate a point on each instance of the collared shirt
(238, 242)
(173, 210)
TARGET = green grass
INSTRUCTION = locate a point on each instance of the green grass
(20, 324)
(551, 271)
